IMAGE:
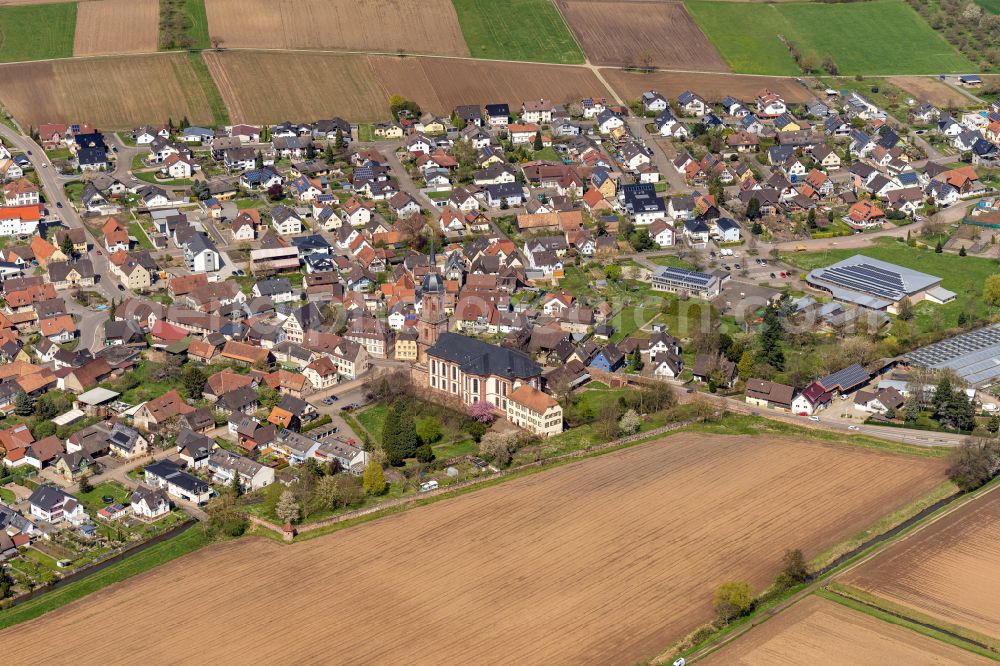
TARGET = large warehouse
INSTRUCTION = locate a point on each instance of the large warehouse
(877, 285)
(975, 356)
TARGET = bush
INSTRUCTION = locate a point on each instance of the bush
(428, 429)
(373, 480)
(732, 600)
(973, 463)
(499, 447)
(476, 430)
(794, 571)
(425, 453)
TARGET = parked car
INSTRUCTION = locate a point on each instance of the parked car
(814, 418)
(853, 427)
(59, 204)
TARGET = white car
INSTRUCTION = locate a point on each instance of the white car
(853, 428)
(814, 418)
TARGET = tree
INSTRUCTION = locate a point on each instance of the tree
(745, 365)
(67, 245)
(961, 251)
(23, 404)
(235, 485)
(275, 192)
(993, 425)
(939, 248)
(830, 66)
(613, 271)
(629, 423)
(771, 337)
(753, 209)
(399, 434)
(973, 463)
(84, 484)
(538, 145)
(476, 430)
(482, 412)
(373, 480)
(424, 453)
(499, 447)
(991, 290)
(193, 379)
(428, 430)
(905, 309)
(43, 429)
(793, 571)
(339, 139)
(226, 517)
(287, 509)
(258, 160)
(268, 397)
(733, 599)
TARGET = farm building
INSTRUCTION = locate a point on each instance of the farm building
(973, 355)
(878, 285)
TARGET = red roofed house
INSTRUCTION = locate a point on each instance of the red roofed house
(812, 399)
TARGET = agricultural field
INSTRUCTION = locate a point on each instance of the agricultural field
(112, 93)
(429, 26)
(117, 26)
(819, 631)
(927, 89)
(37, 32)
(947, 573)
(658, 34)
(631, 85)
(256, 88)
(876, 37)
(675, 517)
(529, 30)
(992, 6)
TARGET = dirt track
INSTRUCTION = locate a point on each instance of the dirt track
(604, 561)
(950, 572)
(818, 631)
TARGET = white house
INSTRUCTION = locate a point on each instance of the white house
(662, 233)
(55, 505)
(149, 503)
(286, 221)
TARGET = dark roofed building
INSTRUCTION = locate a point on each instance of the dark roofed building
(472, 370)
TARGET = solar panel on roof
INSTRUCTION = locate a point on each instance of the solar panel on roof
(685, 275)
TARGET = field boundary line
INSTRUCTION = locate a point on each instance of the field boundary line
(837, 591)
(407, 54)
(821, 582)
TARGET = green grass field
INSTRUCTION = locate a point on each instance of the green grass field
(220, 114)
(198, 32)
(876, 37)
(992, 6)
(516, 30)
(37, 32)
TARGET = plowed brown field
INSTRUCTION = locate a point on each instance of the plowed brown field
(951, 571)
(111, 93)
(818, 631)
(926, 89)
(116, 26)
(711, 86)
(427, 26)
(607, 560)
(257, 87)
(614, 32)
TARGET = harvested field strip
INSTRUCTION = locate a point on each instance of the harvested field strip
(819, 631)
(256, 86)
(112, 93)
(948, 573)
(116, 26)
(524, 566)
(37, 32)
(529, 30)
(926, 89)
(428, 26)
(711, 86)
(658, 34)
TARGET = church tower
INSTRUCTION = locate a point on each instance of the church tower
(433, 321)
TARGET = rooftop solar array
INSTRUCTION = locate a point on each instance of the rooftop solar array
(975, 355)
(866, 278)
(684, 275)
(846, 379)
(874, 277)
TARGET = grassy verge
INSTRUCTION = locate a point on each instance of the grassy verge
(872, 605)
(220, 114)
(516, 30)
(198, 30)
(37, 32)
(886, 523)
(188, 542)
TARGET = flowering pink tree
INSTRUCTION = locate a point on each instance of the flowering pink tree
(482, 411)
